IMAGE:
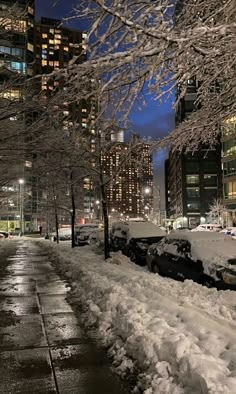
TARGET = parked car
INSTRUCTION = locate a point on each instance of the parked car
(208, 227)
(206, 257)
(229, 231)
(83, 231)
(64, 234)
(96, 237)
(134, 238)
(5, 234)
(1, 236)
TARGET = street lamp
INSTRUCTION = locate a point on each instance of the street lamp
(97, 202)
(21, 183)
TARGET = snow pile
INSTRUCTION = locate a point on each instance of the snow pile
(181, 335)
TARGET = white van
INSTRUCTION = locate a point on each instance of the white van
(208, 227)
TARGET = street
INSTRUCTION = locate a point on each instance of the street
(43, 346)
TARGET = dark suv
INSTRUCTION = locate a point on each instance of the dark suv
(134, 239)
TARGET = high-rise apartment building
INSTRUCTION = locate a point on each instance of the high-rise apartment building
(194, 179)
(130, 187)
(16, 64)
(55, 46)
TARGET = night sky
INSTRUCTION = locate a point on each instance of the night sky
(152, 121)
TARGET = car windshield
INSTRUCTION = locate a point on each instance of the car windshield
(148, 240)
(86, 229)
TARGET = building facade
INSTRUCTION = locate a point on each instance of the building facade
(193, 179)
(16, 65)
(229, 170)
(130, 187)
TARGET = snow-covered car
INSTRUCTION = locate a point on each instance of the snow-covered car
(64, 234)
(4, 234)
(208, 227)
(134, 238)
(96, 237)
(206, 257)
(229, 231)
(83, 231)
(1, 236)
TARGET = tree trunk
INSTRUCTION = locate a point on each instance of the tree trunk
(105, 220)
(56, 214)
(73, 244)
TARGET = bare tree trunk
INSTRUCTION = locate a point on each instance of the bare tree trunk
(106, 223)
(73, 212)
(56, 214)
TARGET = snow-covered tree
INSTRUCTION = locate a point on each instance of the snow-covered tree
(217, 209)
(156, 46)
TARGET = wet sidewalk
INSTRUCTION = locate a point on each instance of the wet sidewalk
(43, 347)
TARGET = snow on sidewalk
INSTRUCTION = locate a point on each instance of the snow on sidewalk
(181, 335)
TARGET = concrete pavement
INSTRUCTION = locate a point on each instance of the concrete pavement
(43, 345)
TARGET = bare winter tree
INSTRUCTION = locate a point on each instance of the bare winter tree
(217, 208)
(156, 46)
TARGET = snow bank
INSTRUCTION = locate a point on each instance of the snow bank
(180, 335)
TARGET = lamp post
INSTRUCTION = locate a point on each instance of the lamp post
(21, 183)
(97, 202)
(146, 201)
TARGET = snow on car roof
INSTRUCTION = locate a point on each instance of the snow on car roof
(144, 230)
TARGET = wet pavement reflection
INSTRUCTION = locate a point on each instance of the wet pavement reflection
(44, 348)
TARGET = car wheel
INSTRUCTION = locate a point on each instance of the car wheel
(132, 256)
(207, 281)
(155, 268)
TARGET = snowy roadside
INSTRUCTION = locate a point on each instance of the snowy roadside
(181, 335)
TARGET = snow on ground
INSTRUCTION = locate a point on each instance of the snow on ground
(182, 336)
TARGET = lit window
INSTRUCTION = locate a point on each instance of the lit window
(30, 47)
(44, 35)
(11, 94)
(30, 10)
(51, 31)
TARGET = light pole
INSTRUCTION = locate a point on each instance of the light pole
(97, 202)
(21, 183)
(147, 192)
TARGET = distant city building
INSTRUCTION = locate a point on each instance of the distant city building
(16, 60)
(130, 190)
(55, 46)
(117, 136)
(194, 179)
